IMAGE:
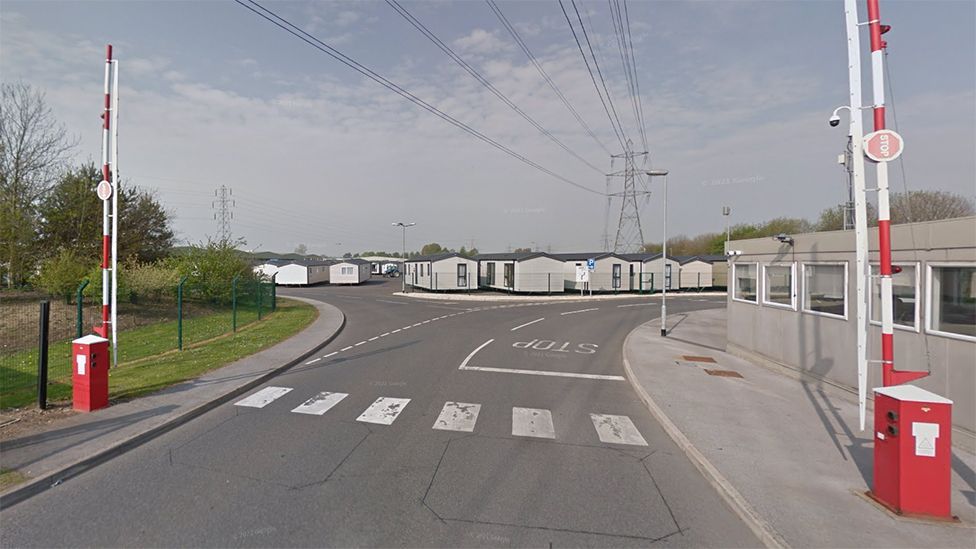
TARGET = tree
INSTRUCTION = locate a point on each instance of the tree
(70, 219)
(33, 146)
(522, 250)
(301, 249)
(347, 255)
(432, 248)
(832, 219)
(61, 275)
(915, 206)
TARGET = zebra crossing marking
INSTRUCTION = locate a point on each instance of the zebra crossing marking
(532, 422)
(458, 416)
(384, 411)
(617, 430)
(320, 403)
(263, 397)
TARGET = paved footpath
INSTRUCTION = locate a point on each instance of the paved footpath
(82, 441)
(785, 453)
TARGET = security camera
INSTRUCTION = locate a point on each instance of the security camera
(733, 252)
(784, 238)
(834, 121)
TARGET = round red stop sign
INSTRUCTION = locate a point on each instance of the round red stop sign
(883, 145)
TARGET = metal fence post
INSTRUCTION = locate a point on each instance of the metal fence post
(80, 311)
(260, 298)
(652, 283)
(42, 345)
(179, 313)
(233, 303)
(274, 293)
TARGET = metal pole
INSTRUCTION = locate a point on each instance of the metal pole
(260, 298)
(860, 201)
(884, 215)
(403, 257)
(274, 293)
(233, 303)
(80, 311)
(42, 345)
(664, 256)
(106, 176)
(115, 211)
(179, 313)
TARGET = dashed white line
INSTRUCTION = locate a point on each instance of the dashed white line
(313, 361)
(333, 353)
(395, 331)
(579, 311)
(384, 335)
(527, 323)
(637, 305)
(360, 343)
(345, 348)
(373, 338)
(406, 327)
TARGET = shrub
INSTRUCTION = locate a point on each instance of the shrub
(61, 275)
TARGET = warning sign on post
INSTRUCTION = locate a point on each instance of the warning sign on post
(104, 190)
(883, 145)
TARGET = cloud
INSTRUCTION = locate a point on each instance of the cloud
(481, 42)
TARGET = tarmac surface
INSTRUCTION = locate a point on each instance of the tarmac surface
(423, 423)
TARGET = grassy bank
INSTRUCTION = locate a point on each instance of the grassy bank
(147, 361)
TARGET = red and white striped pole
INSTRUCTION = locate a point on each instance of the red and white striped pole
(889, 375)
(106, 176)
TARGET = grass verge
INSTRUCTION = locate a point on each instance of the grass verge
(150, 366)
(10, 477)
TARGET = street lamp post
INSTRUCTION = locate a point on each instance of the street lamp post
(727, 211)
(664, 253)
(403, 253)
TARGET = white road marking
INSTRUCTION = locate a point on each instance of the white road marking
(542, 373)
(393, 302)
(384, 335)
(395, 331)
(532, 422)
(263, 397)
(374, 338)
(313, 361)
(424, 322)
(464, 365)
(384, 411)
(406, 327)
(333, 353)
(320, 403)
(458, 416)
(617, 430)
(360, 343)
(579, 311)
(527, 323)
(417, 323)
(346, 348)
(637, 305)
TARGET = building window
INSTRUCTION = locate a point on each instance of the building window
(509, 275)
(743, 281)
(616, 276)
(421, 269)
(904, 293)
(779, 288)
(825, 289)
(347, 270)
(462, 275)
(491, 274)
(952, 300)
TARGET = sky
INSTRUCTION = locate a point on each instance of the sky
(735, 97)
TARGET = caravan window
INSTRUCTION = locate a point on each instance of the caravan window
(462, 274)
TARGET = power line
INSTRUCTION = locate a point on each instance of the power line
(596, 63)
(633, 62)
(409, 17)
(292, 29)
(627, 61)
(616, 129)
(545, 76)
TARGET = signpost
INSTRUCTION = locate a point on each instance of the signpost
(591, 264)
(583, 276)
(104, 190)
(883, 145)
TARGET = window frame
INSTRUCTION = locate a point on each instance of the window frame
(462, 279)
(793, 287)
(490, 275)
(735, 282)
(917, 326)
(929, 300)
(803, 293)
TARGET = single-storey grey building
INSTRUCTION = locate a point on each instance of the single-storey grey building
(526, 272)
(794, 305)
(446, 271)
(349, 271)
(303, 273)
(650, 269)
(613, 272)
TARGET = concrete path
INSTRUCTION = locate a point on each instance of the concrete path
(82, 441)
(786, 454)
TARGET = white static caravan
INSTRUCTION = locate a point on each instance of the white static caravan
(612, 272)
(447, 271)
(267, 269)
(649, 269)
(303, 273)
(694, 273)
(528, 272)
(349, 271)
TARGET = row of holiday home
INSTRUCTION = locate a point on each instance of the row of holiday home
(539, 272)
(309, 272)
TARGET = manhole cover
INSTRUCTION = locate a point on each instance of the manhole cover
(723, 373)
(699, 359)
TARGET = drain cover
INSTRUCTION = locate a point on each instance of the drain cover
(723, 373)
(699, 359)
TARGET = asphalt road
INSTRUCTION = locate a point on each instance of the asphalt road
(423, 424)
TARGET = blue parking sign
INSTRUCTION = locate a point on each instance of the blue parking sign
(591, 264)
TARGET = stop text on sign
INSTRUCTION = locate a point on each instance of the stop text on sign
(883, 145)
